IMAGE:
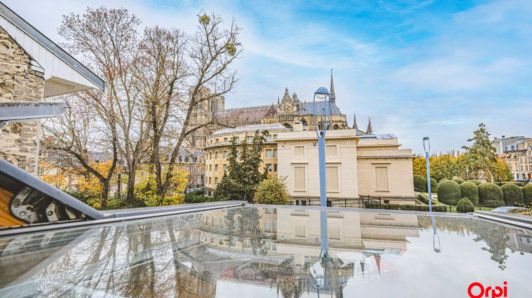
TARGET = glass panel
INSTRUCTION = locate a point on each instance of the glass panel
(228, 253)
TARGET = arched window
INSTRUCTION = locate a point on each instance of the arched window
(304, 122)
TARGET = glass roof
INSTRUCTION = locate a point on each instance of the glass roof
(264, 252)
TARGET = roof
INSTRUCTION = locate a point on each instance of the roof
(247, 115)
(17, 21)
(251, 128)
(315, 108)
(17, 111)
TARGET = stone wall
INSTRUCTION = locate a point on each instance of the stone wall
(19, 142)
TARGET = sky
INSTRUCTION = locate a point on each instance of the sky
(417, 68)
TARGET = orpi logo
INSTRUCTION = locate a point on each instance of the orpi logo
(478, 290)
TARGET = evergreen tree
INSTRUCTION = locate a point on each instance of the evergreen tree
(480, 156)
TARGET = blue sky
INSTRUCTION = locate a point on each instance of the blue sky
(417, 68)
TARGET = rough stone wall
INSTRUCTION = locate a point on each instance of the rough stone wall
(19, 142)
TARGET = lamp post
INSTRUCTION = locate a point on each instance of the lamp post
(426, 147)
(322, 114)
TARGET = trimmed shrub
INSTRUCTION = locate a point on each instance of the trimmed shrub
(271, 191)
(439, 208)
(420, 183)
(443, 179)
(490, 195)
(470, 191)
(458, 180)
(477, 182)
(433, 185)
(424, 197)
(513, 195)
(449, 192)
(464, 206)
(527, 193)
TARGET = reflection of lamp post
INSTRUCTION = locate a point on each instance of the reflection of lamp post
(426, 147)
(322, 94)
(435, 237)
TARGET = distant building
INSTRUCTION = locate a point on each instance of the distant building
(32, 67)
(517, 152)
(368, 166)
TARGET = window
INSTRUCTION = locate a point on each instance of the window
(210, 167)
(249, 139)
(216, 155)
(332, 178)
(215, 180)
(275, 167)
(274, 136)
(225, 169)
(299, 178)
(269, 153)
(269, 167)
(226, 154)
(331, 150)
(216, 168)
(299, 231)
(381, 177)
(210, 180)
(299, 150)
(225, 140)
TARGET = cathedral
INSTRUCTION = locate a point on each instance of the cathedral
(289, 111)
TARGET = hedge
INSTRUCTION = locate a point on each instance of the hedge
(458, 180)
(477, 182)
(424, 197)
(490, 195)
(464, 206)
(470, 191)
(527, 193)
(420, 183)
(513, 195)
(449, 192)
(433, 185)
(438, 208)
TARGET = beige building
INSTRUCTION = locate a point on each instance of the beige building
(517, 152)
(367, 166)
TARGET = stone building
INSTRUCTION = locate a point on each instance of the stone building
(358, 166)
(289, 111)
(32, 68)
(517, 153)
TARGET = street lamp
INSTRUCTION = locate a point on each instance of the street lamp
(426, 147)
(322, 113)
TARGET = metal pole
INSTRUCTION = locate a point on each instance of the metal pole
(427, 159)
(324, 235)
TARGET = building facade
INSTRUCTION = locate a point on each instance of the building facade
(517, 153)
(368, 166)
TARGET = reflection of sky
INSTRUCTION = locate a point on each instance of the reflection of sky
(132, 258)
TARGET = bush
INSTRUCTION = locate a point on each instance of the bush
(424, 197)
(438, 208)
(464, 206)
(458, 180)
(449, 192)
(420, 183)
(433, 185)
(198, 197)
(470, 191)
(271, 191)
(527, 193)
(477, 182)
(490, 195)
(513, 195)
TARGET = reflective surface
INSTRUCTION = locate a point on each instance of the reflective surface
(265, 252)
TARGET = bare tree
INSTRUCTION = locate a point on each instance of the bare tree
(210, 53)
(155, 81)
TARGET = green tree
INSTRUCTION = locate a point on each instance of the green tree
(419, 166)
(502, 171)
(442, 166)
(271, 191)
(527, 193)
(470, 191)
(464, 206)
(449, 192)
(490, 195)
(420, 183)
(480, 156)
(513, 195)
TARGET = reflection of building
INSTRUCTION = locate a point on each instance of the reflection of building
(517, 152)
(357, 165)
(32, 68)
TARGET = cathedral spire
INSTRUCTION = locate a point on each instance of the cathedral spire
(369, 130)
(332, 96)
(355, 125)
